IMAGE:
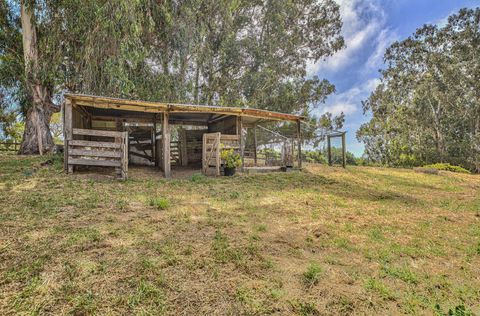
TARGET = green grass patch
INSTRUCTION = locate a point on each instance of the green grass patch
(312, 275)
(378, 287)
(160, 203)
(447, 167)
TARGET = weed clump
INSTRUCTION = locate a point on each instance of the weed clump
(160, 203)
(312, 275)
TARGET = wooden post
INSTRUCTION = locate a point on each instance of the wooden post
(124, 159)
(217, 154)
(88, 124)
(255, 144)
(344, 151)
(329, 148)
(67, 132)
(166, 145)
(183, 147)
(204, 154)
(240, 140)
(299, 139)
(119, 125)
(154, 138)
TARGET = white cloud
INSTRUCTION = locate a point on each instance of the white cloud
(364, 23)
(442, 22)
(338, 108)
(348, 101)
(382, 42)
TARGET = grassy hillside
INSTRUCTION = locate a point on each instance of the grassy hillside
(323, 241)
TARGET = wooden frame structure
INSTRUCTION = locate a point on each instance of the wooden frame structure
(344, 148)
(83, 113)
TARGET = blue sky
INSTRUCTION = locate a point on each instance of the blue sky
(369, 27)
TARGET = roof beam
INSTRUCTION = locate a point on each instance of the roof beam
(156, 107)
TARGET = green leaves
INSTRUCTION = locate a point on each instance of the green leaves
(426, 110)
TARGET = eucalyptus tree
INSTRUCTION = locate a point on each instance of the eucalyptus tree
(427, 107)
(230, 52)
(21, 71)
(52, 46)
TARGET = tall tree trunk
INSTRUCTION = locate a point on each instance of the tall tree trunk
(440, 140)
(476, 144)
(197, 82)
(36, 137)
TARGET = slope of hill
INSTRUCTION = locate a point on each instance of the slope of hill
(322, 241)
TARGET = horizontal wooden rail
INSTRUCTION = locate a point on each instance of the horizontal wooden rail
(95, 153)
(94, 162)
(94, 132)
(86, 143)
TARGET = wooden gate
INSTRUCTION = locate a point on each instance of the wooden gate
(213, 143)
(211, 152)
(112, 153)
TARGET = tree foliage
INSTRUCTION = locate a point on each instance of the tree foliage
(427, 107)
(232, 52)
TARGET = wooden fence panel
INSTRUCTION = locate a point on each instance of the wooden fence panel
(112, 153)
(9, 146)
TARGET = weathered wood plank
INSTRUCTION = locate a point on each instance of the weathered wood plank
(156, 107)
(94, 162)
(299, 137)
(166, 145)
(94, 132)
(230, 137)
(134, 153)
(255, 145)
(68, 119)
(217, 156)
(86, 143)
(124, 159)
(204, 155)
(95, 153)
(241, 141)
(67, 131)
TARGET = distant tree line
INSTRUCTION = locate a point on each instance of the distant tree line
(233, 52)
(427, 107)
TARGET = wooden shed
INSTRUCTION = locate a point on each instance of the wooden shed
(111, 132)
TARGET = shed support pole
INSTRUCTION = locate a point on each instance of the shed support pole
(154, 140)
(329, 148)
(240, 140)
(68, 132)
(344, 151)
(255, 144)
(166, 145)
(299, 139)
(183, 147)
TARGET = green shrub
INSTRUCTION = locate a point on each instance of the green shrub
(447, 167)
(160, 203)
(230, 158)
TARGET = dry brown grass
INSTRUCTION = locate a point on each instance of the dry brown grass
(323, 241)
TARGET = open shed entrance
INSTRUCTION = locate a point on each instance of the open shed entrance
(169, 137)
